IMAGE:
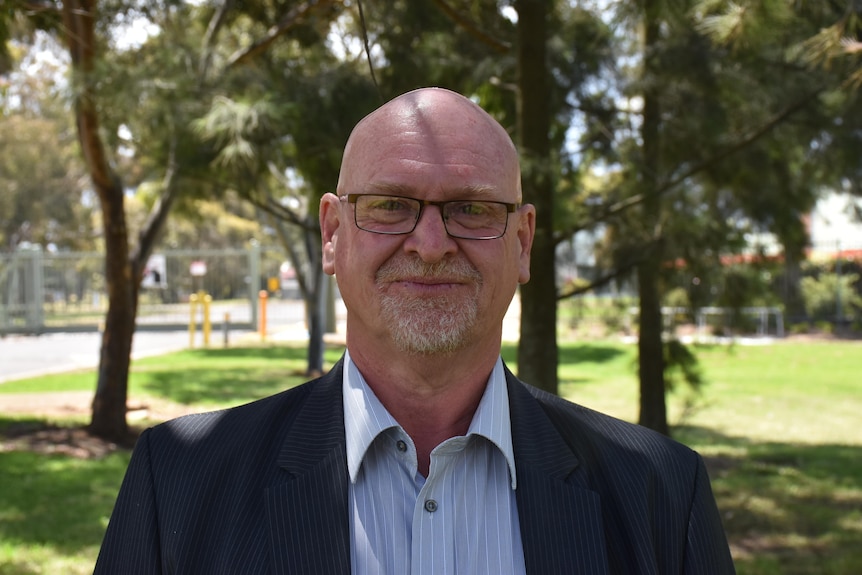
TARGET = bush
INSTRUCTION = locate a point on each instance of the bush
(820, 296)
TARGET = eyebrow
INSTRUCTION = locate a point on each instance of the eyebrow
(474, 191)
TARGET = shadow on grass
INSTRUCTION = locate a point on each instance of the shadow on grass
(219, 386)
(257, 352)
(56, 501)
(587, 352)
(218, 377)
(788, 509)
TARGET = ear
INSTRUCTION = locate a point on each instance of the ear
(330, 221)
(526, 231)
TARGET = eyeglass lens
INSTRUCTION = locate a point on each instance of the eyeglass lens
(471, 219)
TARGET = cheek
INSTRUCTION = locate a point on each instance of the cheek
(356, 266)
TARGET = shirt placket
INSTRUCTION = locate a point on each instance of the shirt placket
(433, 549)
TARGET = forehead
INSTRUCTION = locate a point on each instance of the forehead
(431, 147)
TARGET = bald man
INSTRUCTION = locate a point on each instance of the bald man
(419, 452)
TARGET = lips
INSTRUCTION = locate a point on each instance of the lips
(417, 272)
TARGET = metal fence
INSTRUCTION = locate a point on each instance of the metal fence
(42, 292)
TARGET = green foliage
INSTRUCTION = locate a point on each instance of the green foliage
(826, 294)
(42, 193)
(587, 316)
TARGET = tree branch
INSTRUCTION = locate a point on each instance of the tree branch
(277, 210)
(293, 254)
(158, 215)
(471, 28)
(703, 165)
(216, 22)
(78, 19)
(290, 20)
(600, 281)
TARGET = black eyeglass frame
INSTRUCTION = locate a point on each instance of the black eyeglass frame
(510, 209)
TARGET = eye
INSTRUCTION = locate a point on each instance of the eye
(389, 204)
(471, 209)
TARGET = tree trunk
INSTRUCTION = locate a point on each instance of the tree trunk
(316, 325)
(794, 305)
(537, 348)
(315, 301)
(653, 409)
(109, 404)
(122, 268)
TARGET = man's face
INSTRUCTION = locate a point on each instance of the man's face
(426, 292)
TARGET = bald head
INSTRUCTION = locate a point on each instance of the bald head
(430, 125)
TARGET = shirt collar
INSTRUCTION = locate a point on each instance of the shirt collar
(365, 417)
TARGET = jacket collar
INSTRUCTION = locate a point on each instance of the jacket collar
(307, 513)
(560, 516)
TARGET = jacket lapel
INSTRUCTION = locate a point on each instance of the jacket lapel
(314, 492)
(560, 516)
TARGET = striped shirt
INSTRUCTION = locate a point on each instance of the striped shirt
(462, 519)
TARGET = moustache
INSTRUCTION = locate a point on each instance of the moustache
(459, 271)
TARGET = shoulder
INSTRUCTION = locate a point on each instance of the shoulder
(254, 425)
(572, 417)
(610, 446)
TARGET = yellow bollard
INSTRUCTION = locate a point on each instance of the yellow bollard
(262, 296)
(207, 325)
(193, 304)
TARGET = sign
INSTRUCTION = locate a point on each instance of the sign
(198, 268)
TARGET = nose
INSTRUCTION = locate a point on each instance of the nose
(429, 239)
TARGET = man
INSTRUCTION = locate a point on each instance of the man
(419, 452)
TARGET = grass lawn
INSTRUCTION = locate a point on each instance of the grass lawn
(779, 426)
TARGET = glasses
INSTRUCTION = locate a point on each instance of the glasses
(465, 219)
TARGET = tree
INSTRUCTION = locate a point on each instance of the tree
(173, 87)
(43, 199)
(537, 350)
(123, 267)
(694, 107)
(40, 186)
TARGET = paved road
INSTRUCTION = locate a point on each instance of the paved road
(27, 356)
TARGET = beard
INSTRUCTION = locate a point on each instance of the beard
(426, 325)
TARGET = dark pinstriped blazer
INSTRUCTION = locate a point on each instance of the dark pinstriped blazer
(262, 488)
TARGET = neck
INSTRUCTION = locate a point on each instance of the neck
(433, 398)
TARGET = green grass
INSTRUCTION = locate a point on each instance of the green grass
(208, 378)
(54, 510)
(778, 426)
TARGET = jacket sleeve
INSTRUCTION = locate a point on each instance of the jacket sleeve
(706, 549)
(131, 543)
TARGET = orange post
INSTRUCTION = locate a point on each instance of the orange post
(262, 297)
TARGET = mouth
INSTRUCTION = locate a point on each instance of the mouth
(426, 286)
(436, 279)
(425, 280)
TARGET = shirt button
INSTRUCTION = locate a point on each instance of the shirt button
(430, 506)
(402, 447)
